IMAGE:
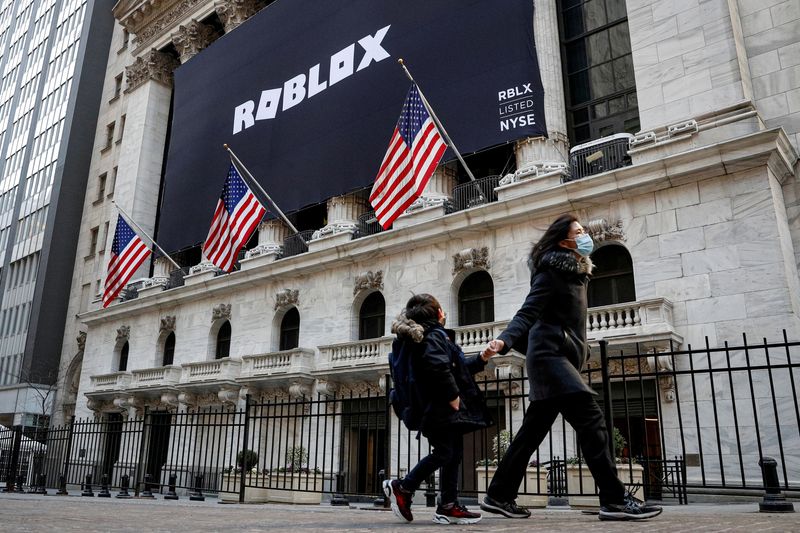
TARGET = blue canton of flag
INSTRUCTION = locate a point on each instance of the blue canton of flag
(128, 252)
(414, 151)
(237, 215)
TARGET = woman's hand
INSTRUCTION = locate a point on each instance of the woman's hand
(493, 348)
(456, 404)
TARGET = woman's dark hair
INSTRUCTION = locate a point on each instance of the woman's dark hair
(557, 232)
(423, 308)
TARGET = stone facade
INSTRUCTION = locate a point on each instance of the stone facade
(709, 212)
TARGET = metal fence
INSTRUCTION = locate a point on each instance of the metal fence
(686, 421)
(474, 193)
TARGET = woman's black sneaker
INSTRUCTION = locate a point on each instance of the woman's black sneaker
(507, 509)
(630, 509)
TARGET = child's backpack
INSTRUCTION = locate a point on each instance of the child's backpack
(404, 397)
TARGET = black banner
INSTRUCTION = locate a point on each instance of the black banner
(307, 93)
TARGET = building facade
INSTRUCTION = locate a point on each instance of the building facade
(674, 129)
(51, 59)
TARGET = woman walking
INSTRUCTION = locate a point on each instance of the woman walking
(550, 328)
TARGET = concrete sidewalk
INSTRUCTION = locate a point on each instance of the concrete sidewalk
(29, 512)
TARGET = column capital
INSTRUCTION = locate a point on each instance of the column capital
(233, 12)
(190, 39)
(155, 66)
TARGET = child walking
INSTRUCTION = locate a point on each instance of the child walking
(452, 406)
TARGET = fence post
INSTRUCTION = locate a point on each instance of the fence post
(13, 464)
(609, 412)
(140, 463)
(774, 501)
(67, 453)
(243, 473)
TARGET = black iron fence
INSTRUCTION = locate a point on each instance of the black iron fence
(685, 421)
(474, 193)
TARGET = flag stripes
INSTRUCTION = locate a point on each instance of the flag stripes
(128, 252)
(414, 151)
(237, 215)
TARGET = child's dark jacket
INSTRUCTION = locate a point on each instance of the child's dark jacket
(443, 373)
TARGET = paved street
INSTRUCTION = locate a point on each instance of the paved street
(25, 512)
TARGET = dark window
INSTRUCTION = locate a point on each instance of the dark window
(372, 317)
(290, 330)
(476, 299)
(598, 69)
(123, 357)
(224, 340)
(169, 349)
(612, 279)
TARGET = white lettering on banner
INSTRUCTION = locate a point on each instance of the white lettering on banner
(515, 107)
(342, 65)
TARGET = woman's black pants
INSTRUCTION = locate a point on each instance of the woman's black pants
(581, 411)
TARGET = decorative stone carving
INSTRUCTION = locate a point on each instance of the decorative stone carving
(368, 280)
(189, 40)
(234, 12)
(221, 311)
(326, 388)
(149, 24)
(264, 249)
(205, 266)
(286, 298)
(123, 333)
(228, 395)
(170, 399)
(155, 66)
(533, 170)
(665, 382)
(187, 399)
(600, 230)
(154, 282)
(167, 323)
(129, 404)
(471, 258)
(299, 390)
(81, 338)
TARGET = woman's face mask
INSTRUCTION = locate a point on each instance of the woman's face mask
(583, 244)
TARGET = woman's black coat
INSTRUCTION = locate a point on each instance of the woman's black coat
(550, 327)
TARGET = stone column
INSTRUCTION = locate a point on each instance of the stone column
(234, 12)
(141, 153)
(537, 155)
(189, 40)
(439, 189)
(271, 234)
(343, 213)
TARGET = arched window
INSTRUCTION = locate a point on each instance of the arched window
(224, 340)
(169, 349)
(476, 299)
(123, 357)
(290, 330)
(612, 279)
(372, 317)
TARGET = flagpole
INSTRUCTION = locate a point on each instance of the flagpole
(160, 249)
(440, 126)
(246, 172)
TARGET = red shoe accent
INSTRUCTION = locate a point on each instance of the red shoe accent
(399, 498)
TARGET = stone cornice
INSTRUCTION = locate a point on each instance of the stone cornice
(150, 19)
(154, 65)
(767, 147)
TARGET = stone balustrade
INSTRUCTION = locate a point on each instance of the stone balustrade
(297, 360)
(473, 338)
(225, 369)
(156, 377)
(355, 353)
(111, 382)
(643, 319)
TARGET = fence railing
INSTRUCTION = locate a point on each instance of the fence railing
(685, 420)
(474, 193)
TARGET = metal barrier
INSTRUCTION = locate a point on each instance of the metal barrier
(599, 156)
(296, 243)
(472, 194)
(689, 420)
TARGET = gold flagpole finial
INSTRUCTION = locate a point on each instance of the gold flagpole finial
(400, 60)
(224, 145)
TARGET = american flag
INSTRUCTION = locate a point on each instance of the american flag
(128, 252)
(237, 216)
(414, 151)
